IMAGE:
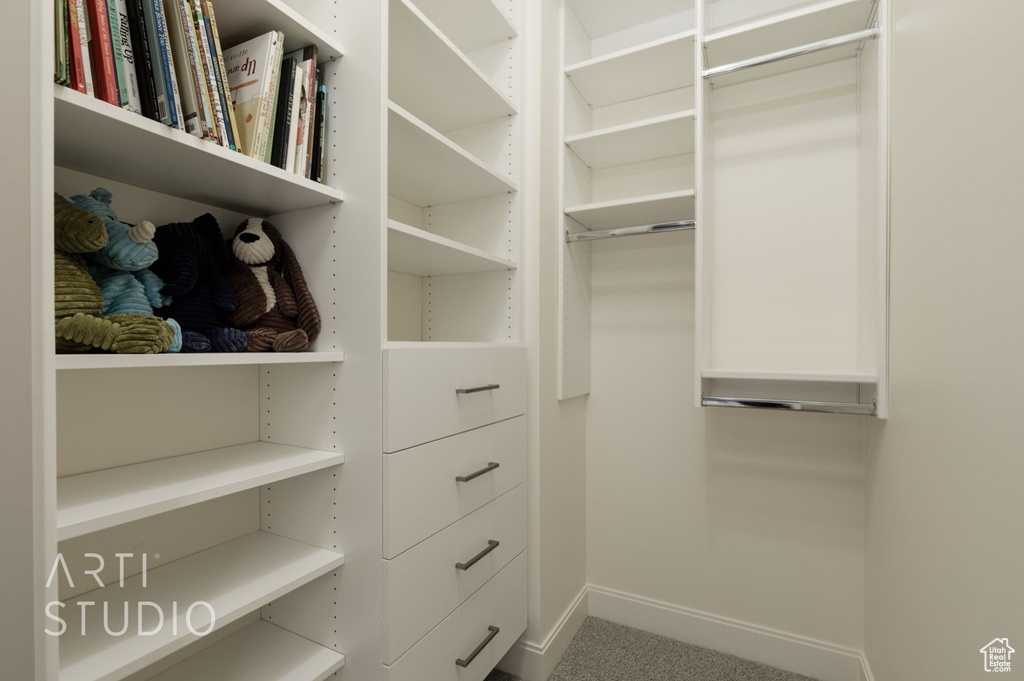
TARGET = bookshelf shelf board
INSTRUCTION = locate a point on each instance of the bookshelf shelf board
(657, 66)
(470, 24)
(422, 254)
(429, 76)
(95, 501)
(235, 578)
(668, 135)
(789, 29)
(259, 652)
(427, 169)
(185, 359)
(800, 376)
(642, 210)
(95, 137)
(240, 20)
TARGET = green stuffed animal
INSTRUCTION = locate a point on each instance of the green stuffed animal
(78, 303)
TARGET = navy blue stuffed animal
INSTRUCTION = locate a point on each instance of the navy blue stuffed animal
(193, 256)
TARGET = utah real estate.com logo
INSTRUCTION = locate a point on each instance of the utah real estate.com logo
(997, 655)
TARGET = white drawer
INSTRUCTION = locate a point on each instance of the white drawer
(420, 399)
(422, 494)
(423, 585)
(501, 603)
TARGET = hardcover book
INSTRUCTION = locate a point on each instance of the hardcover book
(74, 41)
(222, 74)
(101, 52)
(206, 55)
(189, 79)
(143, 62)
(252, 73)
(283, 115)
(114, 26)
(126, 47)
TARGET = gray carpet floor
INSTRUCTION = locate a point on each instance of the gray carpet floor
(603, 651)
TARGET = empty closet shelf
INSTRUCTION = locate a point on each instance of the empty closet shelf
(660, 228)
(669, 135)
(423, 254)
(650, 209)
(855, 408)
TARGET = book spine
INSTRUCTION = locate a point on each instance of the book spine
(128, 57)
(60, 25)
(222, 77)
(203, 88)
(143, 62)
(206, 55)
(281, 116)
(319, 127)
(310, 54)
(74, 39)
(83, 36)
(273, 117)
(114, 25)
(166, 66)
(270, 72)
(188, 78)
(65, 44)
(102, 54)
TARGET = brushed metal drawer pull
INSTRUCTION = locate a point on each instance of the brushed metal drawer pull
(467, 391)
(491, 545)
(486, 469)
(472, 656)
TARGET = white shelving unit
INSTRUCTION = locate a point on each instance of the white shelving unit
(78, 362)
(678, 205)
(422, 254)
(645, 140)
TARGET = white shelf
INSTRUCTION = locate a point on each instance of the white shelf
(668, 135)
(448, 345)
(95, 501)
(259, 652)
(470, 24)
(427, 169)
(190, 359)
(235, 578)
(647, 69)
(422, 254)
(791, 29)
(429, 75)
(802, 376)
(604, 18)
(643, 210)
(240, 20)
(95, 137)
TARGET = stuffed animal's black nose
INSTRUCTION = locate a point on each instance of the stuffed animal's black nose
(249, 237)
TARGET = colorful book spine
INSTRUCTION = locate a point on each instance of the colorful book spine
(170, 85)
(188, 78)
(60, 27)
(206, 54)
(209, 122)
(83, 36)
(101, 52)
(127, 49)
(310, 54)
(143, 61)
(114, 26)
(222, 76)
(75, 47)
(269, 99)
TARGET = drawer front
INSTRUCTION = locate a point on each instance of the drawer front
(422, 494)
(424, 585)
(420, 399)
(500, 603)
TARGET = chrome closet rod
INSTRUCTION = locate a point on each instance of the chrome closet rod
(630, 231)
(793, 52)
(791, 405)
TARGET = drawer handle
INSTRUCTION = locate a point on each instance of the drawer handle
(491, 545)
(472, 656)
(486, 469)
(483, 388)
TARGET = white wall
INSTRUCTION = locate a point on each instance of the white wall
(745, 515)
(945, 505)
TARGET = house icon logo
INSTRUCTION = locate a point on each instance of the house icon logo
(997, 655)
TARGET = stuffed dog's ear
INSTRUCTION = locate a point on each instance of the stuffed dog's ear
(309, 317)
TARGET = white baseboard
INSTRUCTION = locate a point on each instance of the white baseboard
(535, 661)
(865, 669)
(784, 650)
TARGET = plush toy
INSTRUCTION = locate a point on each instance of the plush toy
(275, 307)
(193, 257)
(120, 268)
(78, 303)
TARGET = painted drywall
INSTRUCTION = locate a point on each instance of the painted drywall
(752, 516)
(944, 502)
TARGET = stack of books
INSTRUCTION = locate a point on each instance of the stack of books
(163, 59)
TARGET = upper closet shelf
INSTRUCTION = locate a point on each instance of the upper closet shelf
(668, 135)
(430, 76)
(95, 501)
(188, 359)
(643, 210)
(604, 18)
(259, 652)
(240, 20)
(428, 169)
(791, 376)
(422, 254)
(95, 137)
(235, 578)
(647, 69)
(791, 29)
(470, 24)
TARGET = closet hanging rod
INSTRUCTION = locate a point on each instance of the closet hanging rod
(791, 405)
(793, 52)
(631, 231)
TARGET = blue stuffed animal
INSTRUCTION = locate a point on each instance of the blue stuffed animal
(120, 268)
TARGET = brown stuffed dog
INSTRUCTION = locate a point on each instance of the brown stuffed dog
(275, 308)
